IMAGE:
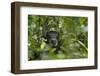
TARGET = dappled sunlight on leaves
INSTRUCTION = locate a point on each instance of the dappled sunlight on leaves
(73, 36)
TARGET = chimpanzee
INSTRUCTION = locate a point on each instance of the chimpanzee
(53, 38)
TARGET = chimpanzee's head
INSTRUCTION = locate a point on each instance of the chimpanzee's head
(52, 37)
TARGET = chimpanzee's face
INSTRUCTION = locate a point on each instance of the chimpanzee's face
(52, 37)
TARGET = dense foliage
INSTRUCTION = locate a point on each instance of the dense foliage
(73, 36)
